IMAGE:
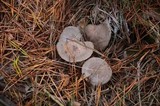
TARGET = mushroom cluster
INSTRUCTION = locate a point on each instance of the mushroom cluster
(71, 48)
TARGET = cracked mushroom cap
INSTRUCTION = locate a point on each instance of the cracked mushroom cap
(75, 51)
(70, 32)
(97, 70)
(100, 34)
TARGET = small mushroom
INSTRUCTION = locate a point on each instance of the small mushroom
(97, 70)
(100, 34)
(70, 32)
(70, 47)
(75, 51)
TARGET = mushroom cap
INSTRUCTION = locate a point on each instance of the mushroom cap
(97, 70)
(100, 34)
(70, 32)
(75, 51)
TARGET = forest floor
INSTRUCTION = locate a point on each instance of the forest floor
(33, 74)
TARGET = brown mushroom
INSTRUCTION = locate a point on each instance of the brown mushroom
(97, 70)
(70, 33)
(100, 34)
(75, 51)
(70, 48)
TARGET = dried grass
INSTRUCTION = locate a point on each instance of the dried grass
(31, 72)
